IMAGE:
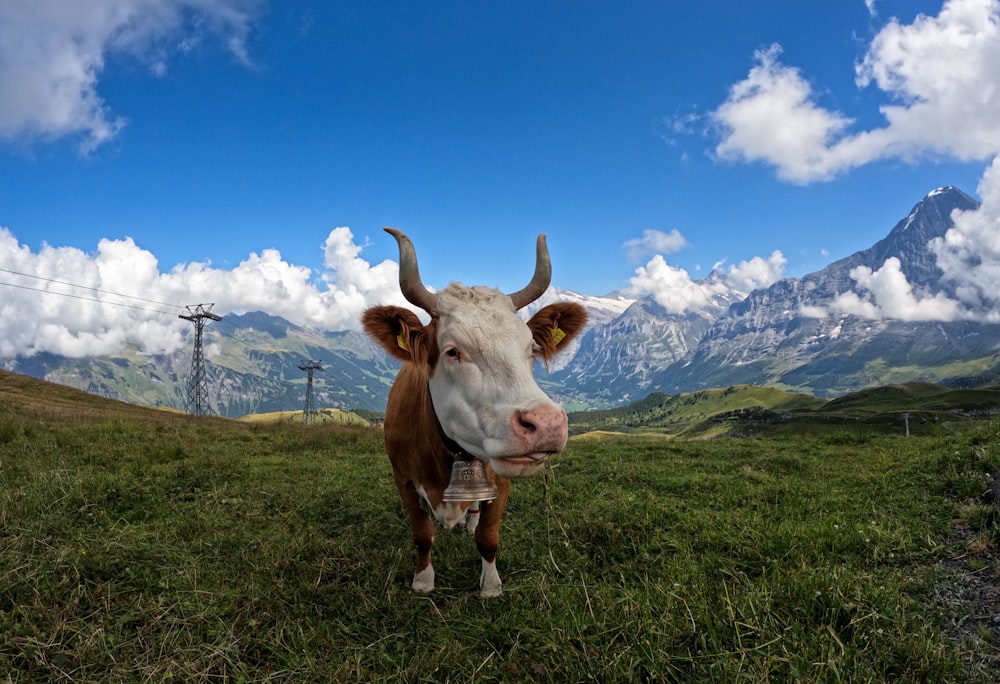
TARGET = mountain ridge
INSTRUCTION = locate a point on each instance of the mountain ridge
(789, 335)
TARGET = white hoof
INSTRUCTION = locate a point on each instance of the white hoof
(489, 581)
(490, 593)
(423, 581)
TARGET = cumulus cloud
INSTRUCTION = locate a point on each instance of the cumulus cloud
(969, 253)
(52, 54)
(654, 242)
(941, 93)
(771, 116)
(756, 273)
(674, 289)
(938, 76)
(968, 256)
(65, 301)
(888, 294)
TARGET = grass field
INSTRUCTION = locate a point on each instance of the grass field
(143, 546)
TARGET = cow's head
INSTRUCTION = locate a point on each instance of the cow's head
(478, 355)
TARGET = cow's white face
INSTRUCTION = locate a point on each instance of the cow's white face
(484, 394)
(477, 356)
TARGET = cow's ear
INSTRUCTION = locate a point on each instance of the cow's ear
(398, 331)
(555, 325)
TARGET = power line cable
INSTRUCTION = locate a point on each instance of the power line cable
(100, 301)
(84, 287)
(90, 299)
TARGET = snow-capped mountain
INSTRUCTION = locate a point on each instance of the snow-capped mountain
(796, 334)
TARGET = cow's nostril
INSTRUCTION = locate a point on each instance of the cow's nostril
(526, 424)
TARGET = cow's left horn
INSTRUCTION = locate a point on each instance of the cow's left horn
(540, 281)
(409, 276)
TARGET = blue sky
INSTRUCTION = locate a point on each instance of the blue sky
(222, 148)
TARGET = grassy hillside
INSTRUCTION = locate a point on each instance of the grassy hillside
(23, 395)
(744, 410)
(678, 414)
(917, 397)
(141, 545)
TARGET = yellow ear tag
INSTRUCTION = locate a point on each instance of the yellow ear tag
(401, 341)
(557, 335)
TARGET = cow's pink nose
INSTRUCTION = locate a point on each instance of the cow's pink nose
(541, 429)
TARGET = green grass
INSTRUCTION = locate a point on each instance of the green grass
(678, 413)
(149, 547)
(749, 410)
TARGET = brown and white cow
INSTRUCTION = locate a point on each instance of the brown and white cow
(466, 388)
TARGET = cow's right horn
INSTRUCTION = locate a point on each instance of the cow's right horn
(409, 276)
(540, 281)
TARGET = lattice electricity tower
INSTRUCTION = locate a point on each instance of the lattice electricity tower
(197, 391)
(309, 412)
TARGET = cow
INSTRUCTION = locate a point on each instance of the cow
(465, 390)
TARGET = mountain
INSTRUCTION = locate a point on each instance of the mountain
(251, 364)
(794, 335)
(790, 336)
(616, 360)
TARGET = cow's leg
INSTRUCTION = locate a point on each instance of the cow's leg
(488, 539)
(472, 518)
(423, 537)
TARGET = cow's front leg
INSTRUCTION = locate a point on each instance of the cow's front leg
(423, 573)
(472, 518)
(488, 540)
(423, 538)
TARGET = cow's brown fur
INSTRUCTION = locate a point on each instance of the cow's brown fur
(413, 438)
(418, 454)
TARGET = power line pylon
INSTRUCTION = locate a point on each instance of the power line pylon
(309, 412)
(197, 391)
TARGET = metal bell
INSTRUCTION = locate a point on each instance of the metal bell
(469, 482)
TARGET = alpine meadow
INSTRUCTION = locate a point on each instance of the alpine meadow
(740, 426)
(144, 545)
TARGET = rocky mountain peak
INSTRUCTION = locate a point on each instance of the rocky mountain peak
(795, 334)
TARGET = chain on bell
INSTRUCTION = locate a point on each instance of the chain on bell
(469, 482)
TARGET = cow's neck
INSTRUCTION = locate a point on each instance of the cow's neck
(456, 451)
(453, 447)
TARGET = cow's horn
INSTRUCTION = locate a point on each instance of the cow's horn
(540, 281)
(409, 276)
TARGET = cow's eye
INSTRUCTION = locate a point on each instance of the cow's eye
(453, 353)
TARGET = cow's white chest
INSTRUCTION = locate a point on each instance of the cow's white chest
(450, 514)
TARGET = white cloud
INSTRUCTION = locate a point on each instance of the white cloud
(941, 84)
(810, 311)
(675, 290)
(969, 253)
(969, 258)
(771, 116)
(758, 272)
(73, 324)
(670, 128)
(654, 242)
(52, 53)
(892, 297)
